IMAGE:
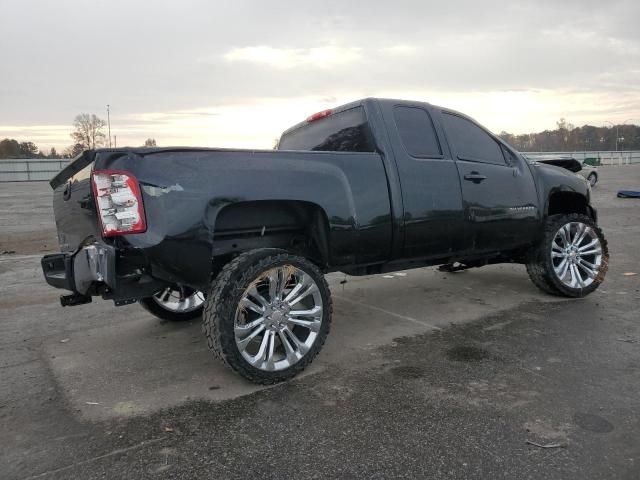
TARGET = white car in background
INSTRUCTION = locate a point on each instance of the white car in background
(588, 172)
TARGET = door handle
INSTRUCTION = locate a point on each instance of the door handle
(474, 177)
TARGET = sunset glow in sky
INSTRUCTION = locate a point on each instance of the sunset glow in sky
(236, 73)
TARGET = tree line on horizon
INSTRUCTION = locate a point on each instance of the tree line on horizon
(88, 134)
(569, 138)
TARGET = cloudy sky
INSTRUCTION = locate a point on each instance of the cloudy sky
(236, 73)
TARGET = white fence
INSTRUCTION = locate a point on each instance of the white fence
(605, 158)
(30, 169)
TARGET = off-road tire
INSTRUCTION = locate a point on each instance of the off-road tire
(151, 306)
(592, 179)
(222, 302)
(540, 266)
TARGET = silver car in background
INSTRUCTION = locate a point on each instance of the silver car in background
(588, 172)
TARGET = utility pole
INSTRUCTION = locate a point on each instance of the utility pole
(618, 129)
(109, 124)
(623, 124)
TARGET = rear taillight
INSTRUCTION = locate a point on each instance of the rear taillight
(119, 202)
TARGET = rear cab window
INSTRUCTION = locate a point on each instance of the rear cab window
(417, 132)
(345, 131)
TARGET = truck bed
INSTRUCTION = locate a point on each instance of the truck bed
(187, 193)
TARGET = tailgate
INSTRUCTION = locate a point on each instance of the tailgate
(73, 204)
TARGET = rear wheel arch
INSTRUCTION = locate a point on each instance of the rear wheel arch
(296, 226)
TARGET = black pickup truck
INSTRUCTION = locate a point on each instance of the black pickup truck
(243, 237)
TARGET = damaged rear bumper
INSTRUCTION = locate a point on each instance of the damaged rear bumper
(93, 270)
(90, 267)
(78, 272)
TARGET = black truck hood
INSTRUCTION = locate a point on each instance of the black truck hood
(570, 164)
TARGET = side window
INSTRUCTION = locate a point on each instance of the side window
(416, 131)
(471, 142)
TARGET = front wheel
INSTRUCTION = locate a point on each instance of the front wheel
(593, 179)
(572, 258)
(268, 314)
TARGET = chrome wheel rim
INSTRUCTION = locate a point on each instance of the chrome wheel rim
(278, 318)
(576, 255)
(179, 299)
(592, 179)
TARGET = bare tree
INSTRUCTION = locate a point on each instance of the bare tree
(150, 142)
(73, 151)
(88, 131)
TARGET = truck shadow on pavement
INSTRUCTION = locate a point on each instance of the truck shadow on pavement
(133, 364)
